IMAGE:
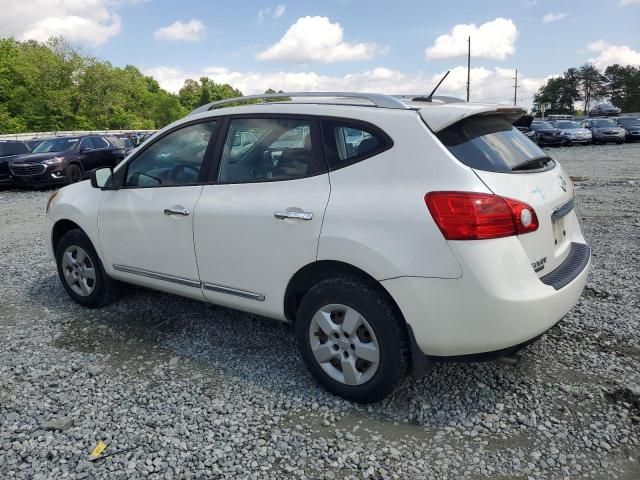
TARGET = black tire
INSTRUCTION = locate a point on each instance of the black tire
(383, 317)
(103, 287)
(74, 173)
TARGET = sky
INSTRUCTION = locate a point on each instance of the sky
(342, 45)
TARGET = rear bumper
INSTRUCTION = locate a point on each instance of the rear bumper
(498, 305)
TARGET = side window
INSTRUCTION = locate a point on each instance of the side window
(99, 142)
(347, 143)
(175, 159)
(268, 149)
(86, 144)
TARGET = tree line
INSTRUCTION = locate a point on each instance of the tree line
(618, 84)
(51, 86)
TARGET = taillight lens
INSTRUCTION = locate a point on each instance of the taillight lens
(478, 216)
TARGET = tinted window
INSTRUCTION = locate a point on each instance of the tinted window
(99, 142)
(175, 159)
(541, 126)
(61, 144)
(267, 149)
(12, 148)
(488, 143)
(603, 123)
(346, 143)
(627, 122)
(566, 124)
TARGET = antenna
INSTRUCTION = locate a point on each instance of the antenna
(469, 68)
(428, 99)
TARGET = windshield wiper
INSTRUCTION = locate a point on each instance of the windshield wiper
(533, 163)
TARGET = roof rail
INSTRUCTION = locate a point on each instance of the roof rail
(377, 99)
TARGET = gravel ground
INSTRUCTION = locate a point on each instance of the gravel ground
(180, 389)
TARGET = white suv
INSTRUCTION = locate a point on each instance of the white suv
(391, 232)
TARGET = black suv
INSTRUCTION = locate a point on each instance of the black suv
(66, 159)
(547, 133)
(8, 151)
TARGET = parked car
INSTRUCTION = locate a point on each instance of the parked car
(66, 160)
(449, 243)
(547, 134)
(604, 130)
(572, 132)
(126, 142)
(631, 126)
(524, 125)
(9, 149)
(604, 110)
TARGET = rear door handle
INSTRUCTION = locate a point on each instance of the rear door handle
(177, 211)
(298, 215)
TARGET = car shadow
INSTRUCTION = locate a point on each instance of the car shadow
(144, 331)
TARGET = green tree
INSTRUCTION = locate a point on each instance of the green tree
(592, 85)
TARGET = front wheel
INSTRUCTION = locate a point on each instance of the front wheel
(352, 339)
(81, 272)
(74, 174)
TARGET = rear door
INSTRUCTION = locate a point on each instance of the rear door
(512, 166)
(259, 221)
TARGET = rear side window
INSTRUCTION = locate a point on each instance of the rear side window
(489, 143)
(12, 148)
(347, 143)
(268, 150)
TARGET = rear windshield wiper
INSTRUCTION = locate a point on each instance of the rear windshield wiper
(533, 163)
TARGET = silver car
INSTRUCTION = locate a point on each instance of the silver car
(573, 133)
(604, 130)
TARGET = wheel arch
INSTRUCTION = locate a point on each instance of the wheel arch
(313, 273)
(60, 228)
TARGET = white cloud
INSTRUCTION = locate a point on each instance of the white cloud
(629, 2)
(495, 39)
(492, 85)
(610, 54)
(191, 31)
(90, 22)
(553, 17)
(276, 12)
(316, 39)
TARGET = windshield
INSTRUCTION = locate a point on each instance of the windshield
(12, 148)
(56, 145)
(567, 125)
(603, 123)
(541, 126)
(489, 143)
(627, 122)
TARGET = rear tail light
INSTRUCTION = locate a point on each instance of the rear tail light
(478, 216)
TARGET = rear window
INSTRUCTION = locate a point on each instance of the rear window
(490, 143)
(12, 148)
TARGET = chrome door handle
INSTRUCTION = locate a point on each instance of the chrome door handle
(177, 211)
(293, 214)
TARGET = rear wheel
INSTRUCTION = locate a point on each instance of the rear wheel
(81, 272)
(74, 173)
(352, 339)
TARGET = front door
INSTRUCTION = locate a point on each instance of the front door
(146, 227)
(260, 223)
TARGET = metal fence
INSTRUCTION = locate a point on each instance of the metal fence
(28, 136)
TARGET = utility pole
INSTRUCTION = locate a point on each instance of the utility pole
(515, 89)
(469, 67)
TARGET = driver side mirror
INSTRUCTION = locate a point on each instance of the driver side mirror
(102, 178)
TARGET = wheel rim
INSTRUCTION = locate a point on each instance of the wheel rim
(79, 271)
(344, 344)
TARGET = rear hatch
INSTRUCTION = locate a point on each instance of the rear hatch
(512, 166)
